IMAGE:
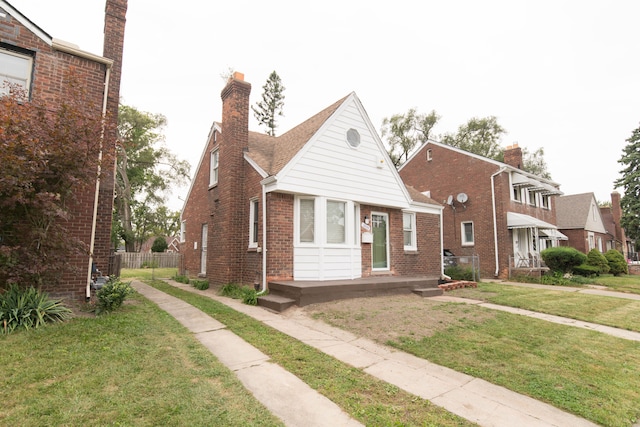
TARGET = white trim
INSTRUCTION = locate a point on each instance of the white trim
(463, 236)
(388, 254)
(254, 217)
(414, 233)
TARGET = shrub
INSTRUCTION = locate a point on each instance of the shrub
(200, 284)
(29, 308)
(596, 259)
(457, 272)
(181, 279)
(247, 295)
(587, 270)
(562, 259)
(112, 295)
(555, 278)
(159, 245)
(617, 263)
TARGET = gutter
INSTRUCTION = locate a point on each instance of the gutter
(94, 220)
(263, 289)
(495, 221)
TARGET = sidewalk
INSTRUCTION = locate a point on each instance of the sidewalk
(298, 405)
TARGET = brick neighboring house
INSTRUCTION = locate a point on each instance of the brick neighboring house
(494, 210)
(580, 219)
(173, 244)
(33, 59)
(616, 236)
(321, 202)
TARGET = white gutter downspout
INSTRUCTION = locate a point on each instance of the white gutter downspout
(263, 289)
(97, 193)
(442, 275)
(495, 221)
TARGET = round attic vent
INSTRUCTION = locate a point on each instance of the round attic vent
(353, 137)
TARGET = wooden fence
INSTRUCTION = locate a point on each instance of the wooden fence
(149, 260)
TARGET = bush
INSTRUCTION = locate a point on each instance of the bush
(562, 259)
(200, 284)
(555, 278)
(457, 272)
(159, 245)
(596, 259)
(247, 295)
(181, 279)
(29, 308)
(112, 295)
(587, 270)
(617, 263)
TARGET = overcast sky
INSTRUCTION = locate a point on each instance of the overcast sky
(562, 75)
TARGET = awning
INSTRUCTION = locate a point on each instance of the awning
(553, 234)
(518, 220)
(519, 180)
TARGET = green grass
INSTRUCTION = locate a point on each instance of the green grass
(147, 273)
(135, 367)
(365, 398)
(625, 283)
(615, 312)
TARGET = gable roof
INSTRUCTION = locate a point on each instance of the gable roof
(573, 212)
(272, 153)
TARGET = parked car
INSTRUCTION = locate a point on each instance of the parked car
(448, 258)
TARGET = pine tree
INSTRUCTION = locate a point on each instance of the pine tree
(271, 105)
(630, 182)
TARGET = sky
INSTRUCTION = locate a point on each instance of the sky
(562, 75)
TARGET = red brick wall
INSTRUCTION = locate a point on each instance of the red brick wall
(280, 236)
(50, 72)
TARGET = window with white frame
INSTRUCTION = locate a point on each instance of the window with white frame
(532, 197)
(409, 230)
(183, 231)
(517, 194)
(15, 69)
(467, 233)
(306, 225)
(213, 168)
(254, 215)
(336, 222)
(546, 201)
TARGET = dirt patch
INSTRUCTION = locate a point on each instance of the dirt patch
(386, 318)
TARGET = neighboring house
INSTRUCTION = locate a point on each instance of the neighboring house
(579, 218)
(173, 244)
(493, 210)
(616, 237)
(34, 60)
(321, 202)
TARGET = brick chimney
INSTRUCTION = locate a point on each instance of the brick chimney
(227, 240)
(616, 213)
(513, 156)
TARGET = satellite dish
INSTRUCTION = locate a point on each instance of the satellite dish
(462, 197)
(449, 200)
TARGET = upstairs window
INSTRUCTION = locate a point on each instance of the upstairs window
(15, 68)
(409, 230)
(546, 201)
(213, 168)
(467, 233)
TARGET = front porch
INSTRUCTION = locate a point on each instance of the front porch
(529, 264)
(284, 294)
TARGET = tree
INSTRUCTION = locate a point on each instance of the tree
(405, 131)
(271, 105)
(617, 263)
(145, 173)
(630, 182)
(159, 245)
(479, 136)
(49, 159)
(534, 163)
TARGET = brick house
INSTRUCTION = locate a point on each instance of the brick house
(580, 219)
(33, 59)
(321, 202)
(616, 236)
(493, 210)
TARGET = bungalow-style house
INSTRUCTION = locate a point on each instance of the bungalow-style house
(320, 203)
(579, 218)
(493, 210)
(37, 62)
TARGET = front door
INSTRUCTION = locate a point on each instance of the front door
(380, 248)
(203, 250)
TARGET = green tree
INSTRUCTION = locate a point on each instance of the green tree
(479, 136)
(405, 131)
(535, 163)
(49, 158)
(630, 182)
(271, 105)
(596, 259)
(159, 245)
(146, 170)
(617, 263)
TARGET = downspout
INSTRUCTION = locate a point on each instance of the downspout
(442, 275)
(263, 290)
(94, 221)
(495, 221)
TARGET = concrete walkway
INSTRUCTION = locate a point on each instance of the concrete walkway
(298, 405)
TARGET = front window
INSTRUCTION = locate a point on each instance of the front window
(213, 172)
(409, 230)
(336, 222)
(307, 220)
(546, 201)
(467, 233)
(254, 214)
(15, 69)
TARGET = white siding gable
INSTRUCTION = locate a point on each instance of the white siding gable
(328, 166)
(594, 219)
